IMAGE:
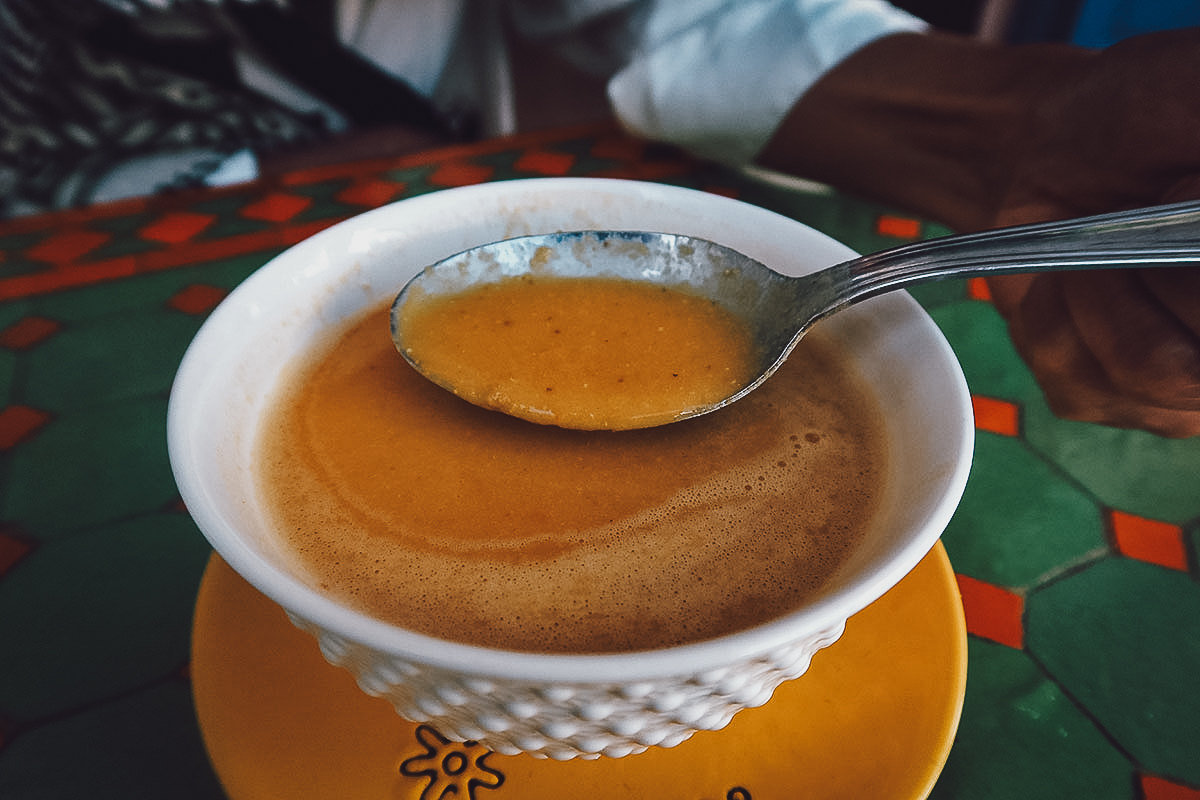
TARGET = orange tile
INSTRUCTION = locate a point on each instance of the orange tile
(276, 207)
(199, 252)
(67, 246)
(992, 612)
(1156, 788)
(176, 227)
(996, 416)
(198, 298)
(13, 548)
(900, 227)
(372, 192)
(977, 289)
(27, 332)
(457, 173)
(18, 423)
(329, 172)
(545, 162)
(294, 234)
(1149, 540)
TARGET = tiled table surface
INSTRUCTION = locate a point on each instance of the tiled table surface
(1076, 546)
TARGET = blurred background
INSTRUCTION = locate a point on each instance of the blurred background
(1090, 23)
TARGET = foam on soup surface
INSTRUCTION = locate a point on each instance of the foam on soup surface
(401, 500)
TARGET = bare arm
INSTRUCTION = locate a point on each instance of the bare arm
(979, 135)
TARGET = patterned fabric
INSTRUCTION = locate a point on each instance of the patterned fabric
(101, 99)
(96, 92)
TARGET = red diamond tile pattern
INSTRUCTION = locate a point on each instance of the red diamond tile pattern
(1149, 540)
(28, 332)
(13, 548)
(177, 227)
(370, 192)
(996, 416)
(977, 289)
(197, 299)
(18, 423)
(545, 162)
(899, 227)
(993, 612)
(459, 173)
(367, 183)
(60, 260)
(68, 245)
(1156, 788)
(276, 207)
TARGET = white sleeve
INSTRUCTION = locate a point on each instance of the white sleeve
(720, 84)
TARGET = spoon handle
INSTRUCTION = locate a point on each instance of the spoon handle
(1168, 234)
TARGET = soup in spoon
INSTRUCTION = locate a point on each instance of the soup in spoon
(590, 353)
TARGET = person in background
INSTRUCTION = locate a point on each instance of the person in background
(979, 136)
(101, 99)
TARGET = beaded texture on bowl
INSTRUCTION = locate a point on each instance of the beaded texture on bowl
(563, 721)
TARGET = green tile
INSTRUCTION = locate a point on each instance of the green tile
(8, 373)
(109, 360)
(979, 337)
(1019, 518)
(14, 262)
(325, 203)
(125, 226)
(502, 162)
(1192, 535)
(935, 295)
(414, 177)
(852, 224)
(91, 466)
(585, 162)
(1123, 637)
(229, 221)
(94, 615)
(145, 746)
(124, 241)
(13, 311)
(1131, 470)
(12, 243)
(1021, 737)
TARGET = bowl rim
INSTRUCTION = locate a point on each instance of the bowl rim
(349, 624)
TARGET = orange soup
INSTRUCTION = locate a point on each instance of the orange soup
(418, 508)
(586, 353)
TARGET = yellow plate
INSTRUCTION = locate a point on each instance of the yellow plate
(874, 717)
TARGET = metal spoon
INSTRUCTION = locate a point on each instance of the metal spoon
(780, 308)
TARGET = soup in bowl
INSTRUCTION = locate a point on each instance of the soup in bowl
(560, 593)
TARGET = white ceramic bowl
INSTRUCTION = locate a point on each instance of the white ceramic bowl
(558, 706)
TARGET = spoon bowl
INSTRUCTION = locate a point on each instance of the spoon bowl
(777, 309)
